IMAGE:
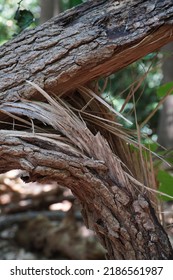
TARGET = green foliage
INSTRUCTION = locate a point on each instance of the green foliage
(6, 22)
(15, 16)
(165, 184)
(134, 81)
(149, 56)
(165, 89)
(67, 4)
(24, 18)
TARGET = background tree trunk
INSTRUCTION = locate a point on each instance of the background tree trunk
(165, 127)
(49, 9)
(85, 43)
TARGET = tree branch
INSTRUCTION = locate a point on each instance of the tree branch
(124, 221)
(82, 44)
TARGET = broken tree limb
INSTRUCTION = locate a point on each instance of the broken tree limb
(112, 206)
(94, 39)
(82, 44)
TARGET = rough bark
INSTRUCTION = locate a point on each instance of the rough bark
(124, 222)
(92, 40)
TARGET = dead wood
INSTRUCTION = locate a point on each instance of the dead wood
(92, 40)
(83, 44)
(114, 205)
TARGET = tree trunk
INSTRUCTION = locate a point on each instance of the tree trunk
(83, 44)
(49, 8)
(165, 127)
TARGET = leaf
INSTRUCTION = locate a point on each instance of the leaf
(164, 89)
(165, 184)
(149, 56)
(24, 18)
(75, 3)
